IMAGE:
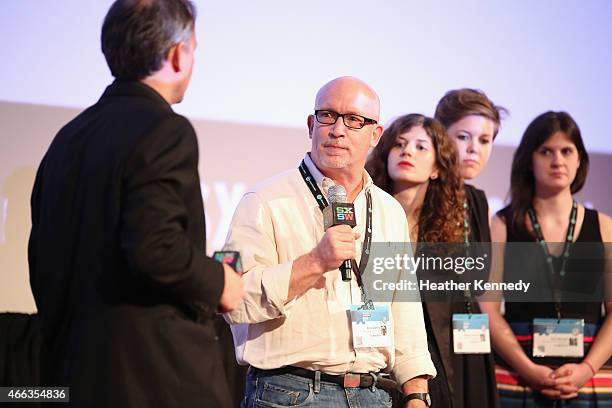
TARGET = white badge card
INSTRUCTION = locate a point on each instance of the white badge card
(558, 337)
(471, 333)
(371, 327)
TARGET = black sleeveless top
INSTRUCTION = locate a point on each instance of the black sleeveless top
(463, 380)
(478, 213)
(520, 314)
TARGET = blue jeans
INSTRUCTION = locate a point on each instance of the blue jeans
(288, 390)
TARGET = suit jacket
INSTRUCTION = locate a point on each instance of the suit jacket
(118, 269)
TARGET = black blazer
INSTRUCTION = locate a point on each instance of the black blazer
(118, 269)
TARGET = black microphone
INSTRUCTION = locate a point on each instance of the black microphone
(339, 212)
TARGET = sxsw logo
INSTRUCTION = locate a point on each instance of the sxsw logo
(344, 214)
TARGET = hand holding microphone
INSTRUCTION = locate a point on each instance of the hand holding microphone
(340, 213)
(335, 247)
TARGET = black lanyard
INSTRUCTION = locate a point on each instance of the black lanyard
(569, 238)
(466, 237)
(367, 241)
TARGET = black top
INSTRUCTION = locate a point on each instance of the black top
(529, 262)
(479, 214)
(463, 380)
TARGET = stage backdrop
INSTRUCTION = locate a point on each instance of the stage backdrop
(259, 65)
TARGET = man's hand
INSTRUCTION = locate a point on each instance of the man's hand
(233, 290)
(336, 246)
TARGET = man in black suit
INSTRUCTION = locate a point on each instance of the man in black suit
(118, 268)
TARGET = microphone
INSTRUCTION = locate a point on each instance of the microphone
(339, 212)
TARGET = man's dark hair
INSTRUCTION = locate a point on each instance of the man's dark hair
(138, 34)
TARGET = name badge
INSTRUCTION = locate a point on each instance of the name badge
(471, 333)
(371, 327)
(558, 338)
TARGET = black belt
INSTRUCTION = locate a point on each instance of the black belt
(348, 380)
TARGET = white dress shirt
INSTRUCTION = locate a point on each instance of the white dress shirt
(274, 224)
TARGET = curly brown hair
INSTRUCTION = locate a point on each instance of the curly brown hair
(442, 215)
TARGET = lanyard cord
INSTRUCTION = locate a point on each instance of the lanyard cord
(466, 237)
(367, 241)
(569, 238)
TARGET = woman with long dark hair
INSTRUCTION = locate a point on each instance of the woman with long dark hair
(549, 166)
(417, 163)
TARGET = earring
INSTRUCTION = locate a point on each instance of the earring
(434, 176)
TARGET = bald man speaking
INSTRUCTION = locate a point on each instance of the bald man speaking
(293, 328)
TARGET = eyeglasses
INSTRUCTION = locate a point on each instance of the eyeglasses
(329, 117)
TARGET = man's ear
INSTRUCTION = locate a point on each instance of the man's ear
(310, 123)
(376, 134)
(175, 56)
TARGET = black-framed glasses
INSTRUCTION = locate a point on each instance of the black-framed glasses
(329, 117)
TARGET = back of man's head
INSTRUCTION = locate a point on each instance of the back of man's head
(138, 34)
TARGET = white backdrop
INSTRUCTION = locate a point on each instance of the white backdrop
(260, 63)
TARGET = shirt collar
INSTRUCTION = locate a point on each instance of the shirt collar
(325, 182)
(134, 89)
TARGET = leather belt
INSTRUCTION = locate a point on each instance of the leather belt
(348, 380)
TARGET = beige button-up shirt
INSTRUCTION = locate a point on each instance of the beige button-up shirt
(274, 224)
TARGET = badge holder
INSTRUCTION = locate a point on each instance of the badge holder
(558, 337)
(371, 327)
(471, 334)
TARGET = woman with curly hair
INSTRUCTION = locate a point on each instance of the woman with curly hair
(414, 163)
(472, 122)
(417, 163)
